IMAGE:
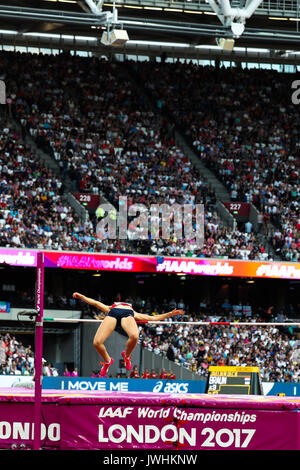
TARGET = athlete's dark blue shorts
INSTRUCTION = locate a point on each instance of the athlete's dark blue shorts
(120, 313)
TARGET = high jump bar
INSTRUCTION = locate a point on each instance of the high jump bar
(204, 323)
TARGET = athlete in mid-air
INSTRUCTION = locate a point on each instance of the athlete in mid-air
(119, 314)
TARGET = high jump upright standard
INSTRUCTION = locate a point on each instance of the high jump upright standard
(38, 350)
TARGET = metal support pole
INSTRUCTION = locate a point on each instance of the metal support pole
(38, 351)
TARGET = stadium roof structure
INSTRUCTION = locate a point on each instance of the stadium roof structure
(196, 26)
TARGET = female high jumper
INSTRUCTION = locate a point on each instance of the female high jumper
(121, 314)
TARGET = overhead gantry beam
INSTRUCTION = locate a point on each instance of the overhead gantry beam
(234, 18)
(56, 16)
(95, 6)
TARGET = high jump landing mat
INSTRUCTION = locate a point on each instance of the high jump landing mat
(126, 420)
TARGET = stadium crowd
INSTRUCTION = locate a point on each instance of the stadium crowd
(243, 125)
(18, 359)
(104, 135)
(196, 347)
(32, 211)
(15, 358)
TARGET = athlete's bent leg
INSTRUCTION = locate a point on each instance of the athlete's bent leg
(130, 327)
(104, 331)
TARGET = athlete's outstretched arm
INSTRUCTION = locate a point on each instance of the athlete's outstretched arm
(95, 303)
(159, 317)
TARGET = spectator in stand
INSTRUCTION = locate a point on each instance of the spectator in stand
(153, 374)
(53, 371)
(14, 369)
(66, 372)
(146, 374)
(171, 353)
(46, 368)
(134, 374)
(163, 374)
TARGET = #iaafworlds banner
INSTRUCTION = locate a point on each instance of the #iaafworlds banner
(152, 264)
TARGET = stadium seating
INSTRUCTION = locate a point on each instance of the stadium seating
(105, 137)
(243, 125)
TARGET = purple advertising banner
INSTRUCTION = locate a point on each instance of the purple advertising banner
(151, 427)
(116, 420)
(18, 257)
(152, 264)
